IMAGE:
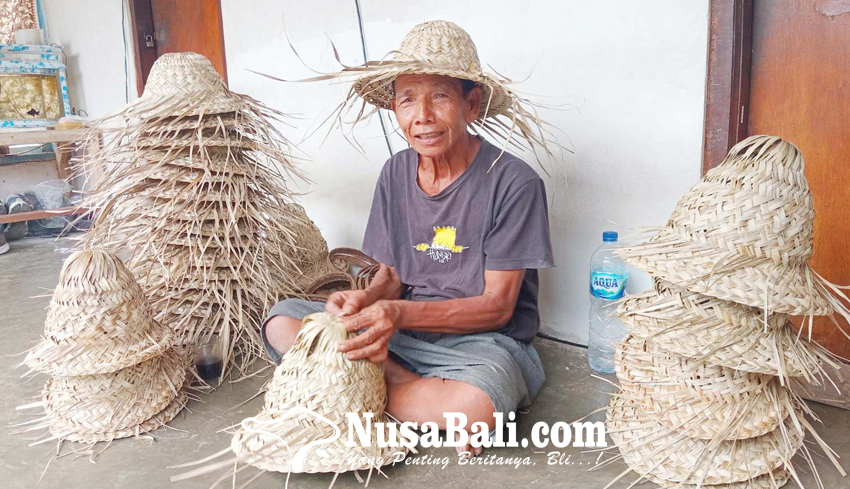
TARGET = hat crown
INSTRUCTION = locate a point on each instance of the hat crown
(316, 375)
(183, 73)
(440, 43)
(97, 296)
(756, 201)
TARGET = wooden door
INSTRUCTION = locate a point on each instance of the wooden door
(800, 90)
(176, 26)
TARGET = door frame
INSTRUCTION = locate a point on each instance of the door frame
(727, 93)
(141, 22)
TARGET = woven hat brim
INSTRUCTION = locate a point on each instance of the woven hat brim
(653, 449)
(103, 405)
(90, 355)
(158, 420)
(706, 403)
(700, 268)
(709, 330)
(376, 88)
(264, 449)
(184, 104)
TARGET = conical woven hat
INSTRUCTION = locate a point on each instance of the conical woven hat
(717, 332)
(315, 381)
(706, 402)
(656, 451)
(744, 233)
(435, 48)
(103, 407)
(188, 83)
(98, 321)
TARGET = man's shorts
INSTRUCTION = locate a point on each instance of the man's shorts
(507, 370)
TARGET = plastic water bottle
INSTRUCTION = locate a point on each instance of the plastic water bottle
(608, 279)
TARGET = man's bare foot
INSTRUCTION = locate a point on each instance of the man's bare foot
(468, 450)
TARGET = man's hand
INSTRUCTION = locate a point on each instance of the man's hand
(381, 320)
(347, 302)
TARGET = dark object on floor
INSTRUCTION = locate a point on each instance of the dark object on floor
(15, 204)
(209, 368)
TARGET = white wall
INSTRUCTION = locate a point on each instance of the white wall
(632, 72)
(90, 33)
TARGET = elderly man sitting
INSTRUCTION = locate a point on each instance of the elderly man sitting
(460, 228)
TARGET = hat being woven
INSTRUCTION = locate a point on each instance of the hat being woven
(717, 332)
(98, 321)
(706, 402)
(656, 451)
(744, 234)
(103, 407)
(316, 384)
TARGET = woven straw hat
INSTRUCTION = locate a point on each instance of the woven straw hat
(706, 402)
(435, 48)
(717, 332)
(744, 233)
(315, 380)
(103, 407)
(443, 48)
(98, 321)
(656, 451)
(190, 80)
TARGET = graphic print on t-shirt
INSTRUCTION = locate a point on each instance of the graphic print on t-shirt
(443, 244)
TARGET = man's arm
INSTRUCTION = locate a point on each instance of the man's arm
(487, 312)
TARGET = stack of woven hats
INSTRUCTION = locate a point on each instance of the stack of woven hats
(303, 426)
(704, 369)
(190, 185)
(114, 370)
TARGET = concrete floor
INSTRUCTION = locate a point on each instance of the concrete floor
(31, 269)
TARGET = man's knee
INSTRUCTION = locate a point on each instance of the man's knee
(478, 407)
(280, 332)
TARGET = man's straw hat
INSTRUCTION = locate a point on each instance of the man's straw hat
(435, 48)
(706, 402)
(664, 456)
(717, 332)
(443, 48)
(745, 234)
(103, 407)
(98, 321)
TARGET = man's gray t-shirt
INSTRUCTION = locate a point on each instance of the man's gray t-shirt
(441, 244)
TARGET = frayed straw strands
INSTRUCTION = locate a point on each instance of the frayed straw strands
(115, 371)
(705, 400)
(444, 48)
(194, 192)
(303, 427)
(717, 332)
(650, 448)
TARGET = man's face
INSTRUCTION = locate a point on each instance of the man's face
(432, 111)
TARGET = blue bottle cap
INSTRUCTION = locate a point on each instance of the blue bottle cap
(609, 236)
